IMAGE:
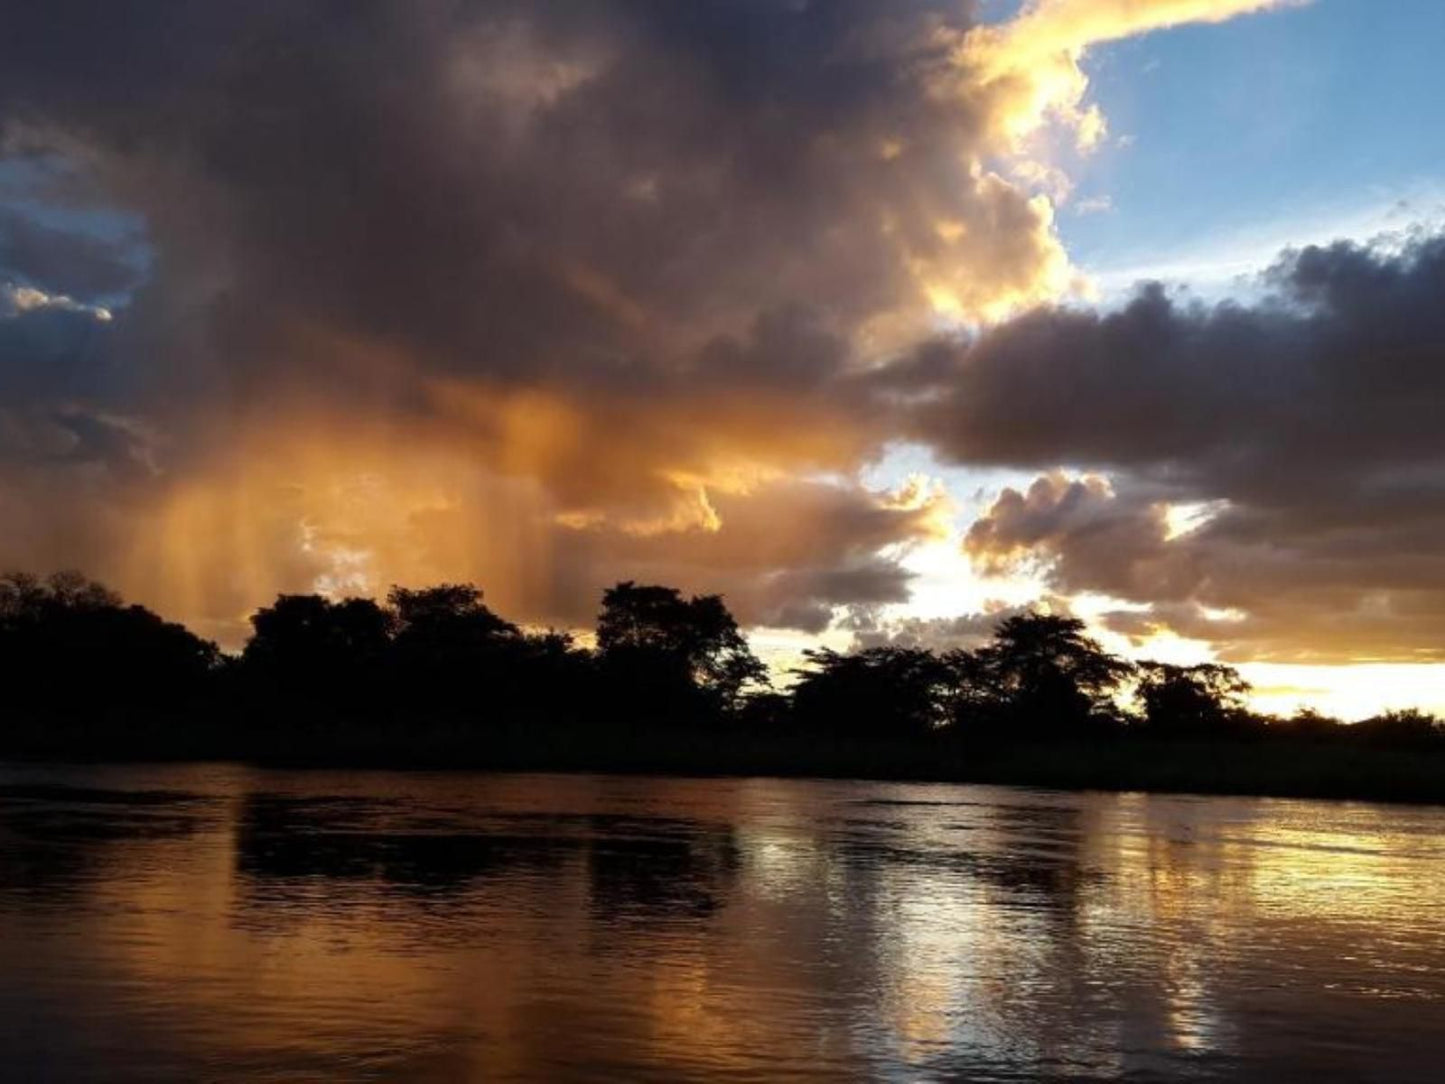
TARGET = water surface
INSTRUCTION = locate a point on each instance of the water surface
(216, 922)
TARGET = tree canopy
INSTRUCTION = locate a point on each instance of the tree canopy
(674, 646)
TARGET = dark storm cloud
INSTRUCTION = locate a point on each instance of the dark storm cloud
(46, 348)
(1335, 377)
(1312, 419)
(508, 189)
(612, 254)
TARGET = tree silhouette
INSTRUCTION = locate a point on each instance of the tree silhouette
(451, 653)
(1198, 699)
(555, 680)
(973, 700)
(1401, 729)
(446, 618)
(1049, 674)
(315, 653)
(881, 691)
(671, 648)
(70, 646)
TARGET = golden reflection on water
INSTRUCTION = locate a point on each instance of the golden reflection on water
(325, 926)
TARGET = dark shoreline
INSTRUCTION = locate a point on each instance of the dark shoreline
(1226, 767)
(433, 679)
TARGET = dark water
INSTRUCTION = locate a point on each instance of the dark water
(204, 923)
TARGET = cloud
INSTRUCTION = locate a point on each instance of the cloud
(966, 631)
(786, 553)
(512, 291)
(1087, 538)
(1094, 205)
(1304, 426)
(63, 262)
(1028, 69)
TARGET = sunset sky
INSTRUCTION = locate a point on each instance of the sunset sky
(879, 318)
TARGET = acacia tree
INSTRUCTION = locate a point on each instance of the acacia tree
(653, 638)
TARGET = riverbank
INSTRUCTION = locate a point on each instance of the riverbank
(1268, 767)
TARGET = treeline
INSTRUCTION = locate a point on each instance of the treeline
(72, 650)
(1044, 678)
(668, 682)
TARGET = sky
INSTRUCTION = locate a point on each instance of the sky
(882, 320)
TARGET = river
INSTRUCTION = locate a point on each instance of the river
(215, 922)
